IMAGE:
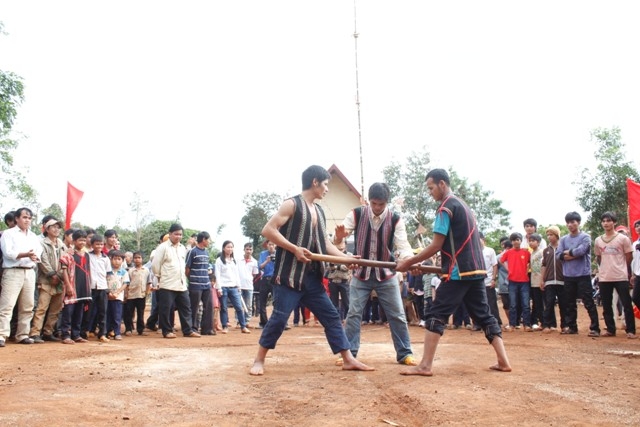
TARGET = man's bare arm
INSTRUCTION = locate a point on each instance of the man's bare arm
(271, 230)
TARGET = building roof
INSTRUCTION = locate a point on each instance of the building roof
(335, 170)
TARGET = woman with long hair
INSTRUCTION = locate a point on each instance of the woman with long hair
(228, 287)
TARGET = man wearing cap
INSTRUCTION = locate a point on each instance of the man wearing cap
(50, 284)
(21, 251)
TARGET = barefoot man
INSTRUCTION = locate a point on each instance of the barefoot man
(456, 237)
(298, 229)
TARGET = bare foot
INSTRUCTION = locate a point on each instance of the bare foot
(497, 367)
(257, 368)
(355, 365)
(417, 370)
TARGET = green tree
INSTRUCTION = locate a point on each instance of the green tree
(140, 209)
(151, 236)
(259, 207)
(12, 182)
(407, 185)
(605, 189)
(490, 214)
(408, 191)
(55, 210)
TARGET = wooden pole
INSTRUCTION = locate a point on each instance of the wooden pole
(370, 263)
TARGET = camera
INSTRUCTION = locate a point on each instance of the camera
(272, 257)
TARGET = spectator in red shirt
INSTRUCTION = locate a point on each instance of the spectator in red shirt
(518, 260)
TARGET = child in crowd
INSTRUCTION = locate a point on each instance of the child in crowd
(405, 295)
(428, 292)
(552, 283)
(518, 260)
(100, 267)
(137, 292)
(503, 278)
(77, 289)
(537, 298)
(117, 282)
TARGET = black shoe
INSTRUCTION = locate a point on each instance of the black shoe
(26, 341)
(37, 339)
(210, 333)
(51, 338)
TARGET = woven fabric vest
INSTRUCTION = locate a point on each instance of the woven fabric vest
(299, 230)
(374, 245)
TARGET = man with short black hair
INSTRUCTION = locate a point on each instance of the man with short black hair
(110, 241)
(21, 250)
(574, 250)
(613, 253)
(298, 279)
(168, 266)
(463, 272)
(378, 234)
(248, 269)
(197, 270)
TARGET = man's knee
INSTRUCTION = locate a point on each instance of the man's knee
(492, 330)
(435, 325)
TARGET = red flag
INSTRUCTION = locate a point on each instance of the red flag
(633, 194)
(73, 198)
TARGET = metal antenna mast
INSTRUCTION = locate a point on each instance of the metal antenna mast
(355, 38)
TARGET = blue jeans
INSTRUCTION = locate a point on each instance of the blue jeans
(232, 294)
(315, 298)
(114, 316)
(389, 298)
(72, 320)
(519, 291)
(247, 297)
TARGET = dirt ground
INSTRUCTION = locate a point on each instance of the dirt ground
(558, 380)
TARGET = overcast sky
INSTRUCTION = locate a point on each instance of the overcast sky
(184, 101)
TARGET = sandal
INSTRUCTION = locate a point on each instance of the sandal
(607, 334)
(67, 341)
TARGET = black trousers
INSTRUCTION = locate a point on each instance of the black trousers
(266, 288)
